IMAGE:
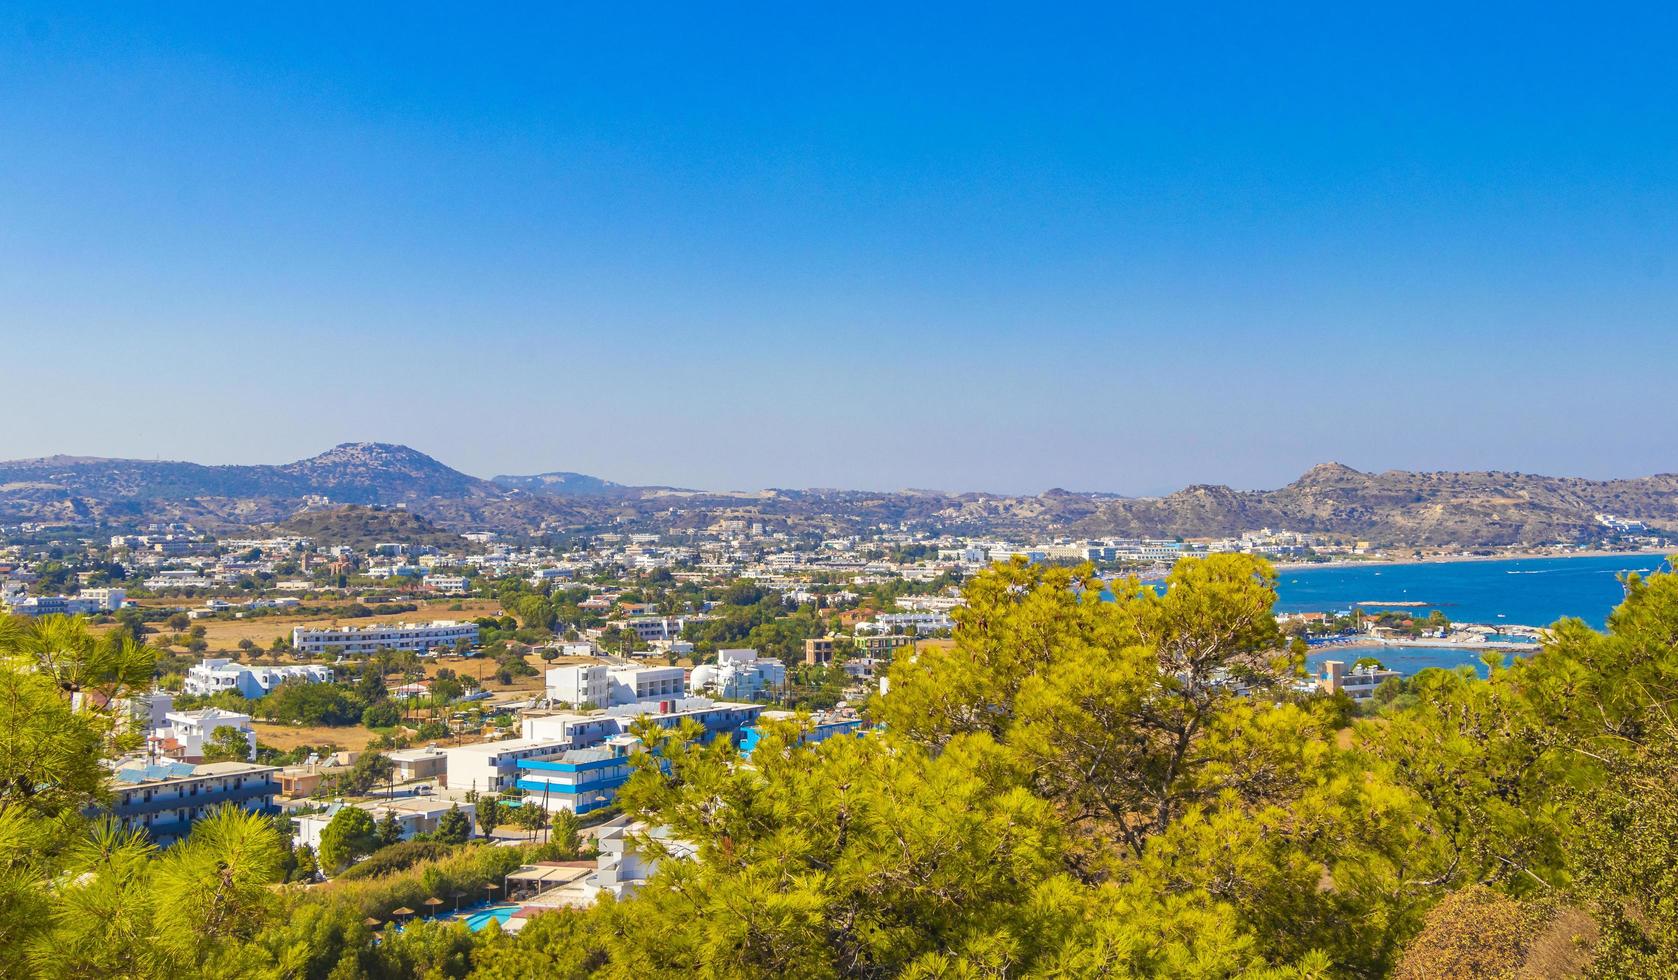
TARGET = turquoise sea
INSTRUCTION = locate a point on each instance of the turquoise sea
(1522, 591)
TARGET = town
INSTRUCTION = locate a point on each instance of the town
(494, 683)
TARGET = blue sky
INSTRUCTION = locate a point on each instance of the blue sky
(963, 247)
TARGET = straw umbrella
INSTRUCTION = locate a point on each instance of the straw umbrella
(402, 913)
(431, 905)
(457, 896)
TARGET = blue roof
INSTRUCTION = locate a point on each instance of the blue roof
(155, 771)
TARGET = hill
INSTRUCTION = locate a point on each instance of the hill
(125, 491)
(378, 472)
(361, 527)
(1398, 507)
(1442, 509)
(559, 484)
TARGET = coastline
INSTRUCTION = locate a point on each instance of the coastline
(1295, 566)
(1369, 643)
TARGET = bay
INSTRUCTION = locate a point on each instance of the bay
(1519, 591)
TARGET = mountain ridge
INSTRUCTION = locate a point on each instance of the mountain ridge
(1440, 508)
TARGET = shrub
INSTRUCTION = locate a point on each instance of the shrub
(396, 857)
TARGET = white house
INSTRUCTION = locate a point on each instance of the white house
(448, 584)
(184, 734)
(414, 814)
(220, 674)
(653, 628)
(490, 767)
(579, 684)
(740, 675)
(627, 685)
(392, 636)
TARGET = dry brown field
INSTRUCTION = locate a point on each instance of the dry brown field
(288, 737)
(225, 634)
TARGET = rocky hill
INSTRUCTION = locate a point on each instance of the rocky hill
(362, 527)
(1393, 508)
(379, 472)
(1398, 507)
(120, 491)
(560, 484)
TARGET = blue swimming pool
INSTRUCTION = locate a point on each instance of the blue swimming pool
(498, 913)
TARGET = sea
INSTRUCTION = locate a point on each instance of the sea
(1517, 591)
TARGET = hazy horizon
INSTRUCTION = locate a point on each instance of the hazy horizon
(1121, 251)
(728, 488)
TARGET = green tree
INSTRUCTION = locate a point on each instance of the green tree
(49, 754)
(566, 831)
(531, 817)
(453, 827)
(91, 670)
(381, 714)
(349, 836)
(390, 829)
(489, 815)
(227, 744)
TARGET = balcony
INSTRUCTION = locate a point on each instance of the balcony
(175, 801)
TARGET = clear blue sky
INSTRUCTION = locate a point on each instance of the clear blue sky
(827, 245)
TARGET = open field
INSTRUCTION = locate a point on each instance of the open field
(483, 669)
(225, 634)
(288, 737)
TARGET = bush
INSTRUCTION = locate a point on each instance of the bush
(384, 714)
(350, 834)
(311, 704)
(397, 857)
(464, 871)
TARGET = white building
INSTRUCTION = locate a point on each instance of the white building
(422, 763)
(655, 628)
(179, 579)
(624, 865)
(216, 674)
(572, 730)
(414, 815)
(579, 684)
(1359, 683)
(88, 602)
(542, 576)
(671, 648)
(448, 584)
(490, 767)
(740, 675)
(627, 685)
(923, 622)
(392, 636)
(184, 734)
(105, 599)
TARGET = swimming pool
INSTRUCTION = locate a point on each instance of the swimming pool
(498, 913)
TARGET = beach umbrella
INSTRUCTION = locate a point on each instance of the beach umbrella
(403, 912)
(370, 922)
(431, 905)
(457, 896)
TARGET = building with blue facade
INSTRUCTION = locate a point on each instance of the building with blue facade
(166, 799)
(579, 780)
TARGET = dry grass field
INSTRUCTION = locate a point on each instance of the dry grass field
(483, 669)
(223, 635)
(288, 737)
